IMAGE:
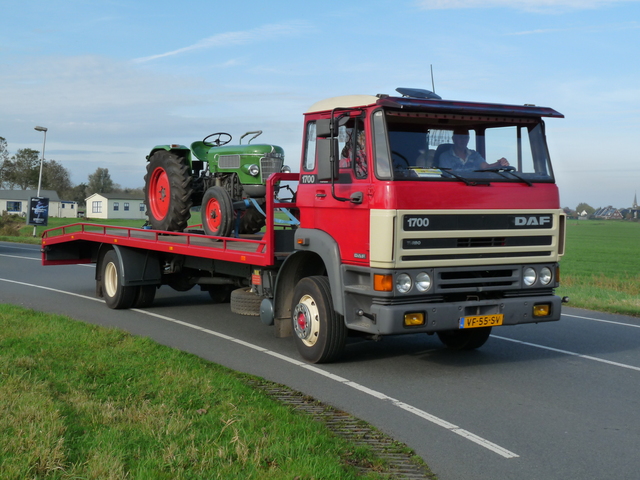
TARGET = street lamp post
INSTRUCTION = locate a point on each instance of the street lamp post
(44, 141)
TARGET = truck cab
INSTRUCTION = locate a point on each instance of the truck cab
(430, 215)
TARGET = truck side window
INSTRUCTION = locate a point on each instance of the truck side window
(352, 145)
(381, 148)
(310, 147)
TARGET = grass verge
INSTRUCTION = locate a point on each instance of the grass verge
(81, 401)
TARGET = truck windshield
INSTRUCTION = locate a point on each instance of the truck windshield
(431, 148)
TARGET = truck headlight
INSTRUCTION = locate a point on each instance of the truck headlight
(403, 283)
(423, 282)
(529, 276)
(286, 169)
(254, 170)
(545, 276)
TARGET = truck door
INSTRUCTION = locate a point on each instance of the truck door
(341, 209)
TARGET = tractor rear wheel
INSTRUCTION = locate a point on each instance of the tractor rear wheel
(168, 192)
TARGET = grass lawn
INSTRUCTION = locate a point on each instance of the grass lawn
(81, 401)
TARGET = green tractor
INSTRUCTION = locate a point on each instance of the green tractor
(214, 175)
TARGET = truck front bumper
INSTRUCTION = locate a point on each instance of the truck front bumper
(390, 319)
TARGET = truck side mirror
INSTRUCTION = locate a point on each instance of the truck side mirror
(323, 156)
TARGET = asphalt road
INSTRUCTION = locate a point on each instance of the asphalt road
(548, 401)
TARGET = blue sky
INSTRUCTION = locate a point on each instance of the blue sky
(111, 79)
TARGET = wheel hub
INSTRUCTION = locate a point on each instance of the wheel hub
(302, 324)
(306, 321)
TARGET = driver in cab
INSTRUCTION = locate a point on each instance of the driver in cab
(460, 157)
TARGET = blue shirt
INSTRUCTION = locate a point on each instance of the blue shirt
(448, 159)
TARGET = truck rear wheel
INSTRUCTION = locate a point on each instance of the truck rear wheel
(115, 294)
(319, 332)
(465, 339)
(168, 192)
(217, 212)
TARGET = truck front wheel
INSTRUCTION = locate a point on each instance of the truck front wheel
(116, 295)
(319, 332)
(465, 339)
(168, 192)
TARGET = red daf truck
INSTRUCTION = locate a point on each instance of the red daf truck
(412, 214)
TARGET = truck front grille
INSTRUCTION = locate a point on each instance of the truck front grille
(475, 279)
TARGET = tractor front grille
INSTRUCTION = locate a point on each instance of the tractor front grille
(269, 165)
(229, 161)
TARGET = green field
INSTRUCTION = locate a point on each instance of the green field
(601, 268)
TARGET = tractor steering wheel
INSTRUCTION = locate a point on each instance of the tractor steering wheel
(217, 142)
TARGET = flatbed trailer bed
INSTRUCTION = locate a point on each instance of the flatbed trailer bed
(66, 245)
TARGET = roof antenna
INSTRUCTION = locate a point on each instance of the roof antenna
(433, 84)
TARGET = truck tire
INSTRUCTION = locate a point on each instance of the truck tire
(319, 332)
(168, 192)
(465, 339)
(245, 302)
(251, 221)
(115, 294)
(217, 212)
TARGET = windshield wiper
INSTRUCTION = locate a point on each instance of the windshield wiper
(461, 178)
(508, 170)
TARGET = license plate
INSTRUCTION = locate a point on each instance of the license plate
(477, 321)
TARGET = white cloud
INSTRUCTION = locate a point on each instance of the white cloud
(527, 5)
(266, 32)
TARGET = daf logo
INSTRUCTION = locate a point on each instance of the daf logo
(533, 221)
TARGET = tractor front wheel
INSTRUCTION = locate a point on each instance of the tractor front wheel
(217, 212)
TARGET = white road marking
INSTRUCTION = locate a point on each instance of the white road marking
(603, 321)
(361, 388)
(566, 352)
(23, 258)
(40, 259)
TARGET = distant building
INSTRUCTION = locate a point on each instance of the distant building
(115, 205)
(17, 202)
(608, 213)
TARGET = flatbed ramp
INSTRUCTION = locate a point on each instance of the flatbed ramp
(64, 245)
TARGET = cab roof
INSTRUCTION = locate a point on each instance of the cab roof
(428, 103)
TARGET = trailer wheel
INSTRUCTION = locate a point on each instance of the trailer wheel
(217, 212)
(168, 192)
(245, 302)
(465, 339)
(319, 332)
(115, 294)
